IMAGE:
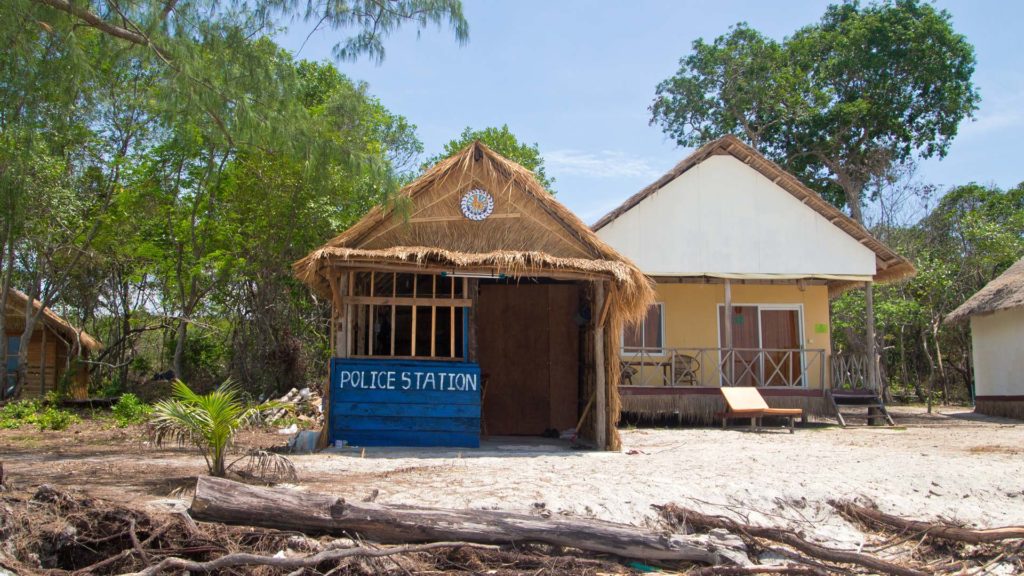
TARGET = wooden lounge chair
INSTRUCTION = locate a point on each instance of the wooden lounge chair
(747, 402)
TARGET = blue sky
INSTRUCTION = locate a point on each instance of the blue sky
(576, 78)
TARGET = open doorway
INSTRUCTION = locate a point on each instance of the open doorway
(529, 354)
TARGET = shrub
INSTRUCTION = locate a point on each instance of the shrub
(28, 412)
(55, 419)
(130, 410)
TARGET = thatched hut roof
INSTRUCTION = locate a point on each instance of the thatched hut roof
(890, 266)
(17, 302)
(1003, 293)
(529, 233)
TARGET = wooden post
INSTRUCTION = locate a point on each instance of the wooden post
(869, 326)
(42, 364)
(727, 319)
(600, 394)
(471, 286)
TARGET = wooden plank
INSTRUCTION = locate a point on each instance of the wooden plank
(410, 438)
(371, 319)
(433, 319)
(600, 388)
(440, 409)
(418, 423)
(460, 218)
(394, 309)
(451, 317)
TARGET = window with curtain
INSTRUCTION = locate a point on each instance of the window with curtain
(649, 334)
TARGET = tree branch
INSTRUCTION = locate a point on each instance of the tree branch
(245, 559)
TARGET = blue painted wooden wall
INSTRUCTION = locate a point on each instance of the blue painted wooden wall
(378, 402)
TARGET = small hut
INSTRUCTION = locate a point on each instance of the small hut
(996, 314)
(474, 304)
(54, 352)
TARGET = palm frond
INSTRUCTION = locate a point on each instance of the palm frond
(267, 466)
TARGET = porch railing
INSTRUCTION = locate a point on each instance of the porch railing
(795, 368)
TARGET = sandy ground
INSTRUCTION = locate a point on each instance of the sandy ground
(951, 464)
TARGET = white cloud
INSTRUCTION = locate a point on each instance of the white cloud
(603, 164)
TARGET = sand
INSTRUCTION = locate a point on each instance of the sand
(951, 464)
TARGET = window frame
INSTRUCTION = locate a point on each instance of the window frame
(645, 350)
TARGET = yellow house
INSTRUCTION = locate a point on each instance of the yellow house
(727, 229)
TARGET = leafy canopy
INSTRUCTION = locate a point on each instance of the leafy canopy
(840, 103)
(504, 142)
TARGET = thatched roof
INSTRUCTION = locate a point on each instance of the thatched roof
(529, 233)
(890, 266)
(1005, 292)
(17, 302)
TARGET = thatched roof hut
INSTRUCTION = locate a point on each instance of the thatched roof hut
(518, 234)
(996, 314)
(1003, 293)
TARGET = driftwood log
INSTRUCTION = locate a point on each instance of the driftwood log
(685, 516)
(220, 500)
(940, 530)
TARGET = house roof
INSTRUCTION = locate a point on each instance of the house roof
(1003, 293)
(16, 302)
(529, 234)
(889, 265)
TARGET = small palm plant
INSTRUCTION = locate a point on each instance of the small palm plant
(210, 421)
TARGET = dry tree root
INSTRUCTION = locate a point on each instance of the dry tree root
(683, 516)
(942, 530)
(754, 570)
(245, 559)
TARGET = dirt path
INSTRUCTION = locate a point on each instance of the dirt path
(950, 464)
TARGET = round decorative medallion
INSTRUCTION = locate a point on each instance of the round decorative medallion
(477, 204)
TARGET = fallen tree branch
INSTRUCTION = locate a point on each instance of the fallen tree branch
(749, 570)
(229, 502)
(696, 519)
(934, 529)
(245, 559)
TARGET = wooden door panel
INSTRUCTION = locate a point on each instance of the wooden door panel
(745, 334)
(780, 330)
(513, 349)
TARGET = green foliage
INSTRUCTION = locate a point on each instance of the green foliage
(130, 410)
(972, 235)
(840, 103)
(208, 421)
(17, 414)
(502, 141)
(35, 413)
(51, 418)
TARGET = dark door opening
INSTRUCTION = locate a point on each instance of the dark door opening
(529, 355)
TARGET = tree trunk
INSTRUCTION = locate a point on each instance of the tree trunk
(179, 347)
(220, 500)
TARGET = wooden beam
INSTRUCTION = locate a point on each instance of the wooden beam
(600, 378)
(460, 218)
(730, 366)
(869, 325)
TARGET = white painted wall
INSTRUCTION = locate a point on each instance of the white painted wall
(724, 217)
(997, 341)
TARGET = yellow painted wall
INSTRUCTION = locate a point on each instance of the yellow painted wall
(691, 321)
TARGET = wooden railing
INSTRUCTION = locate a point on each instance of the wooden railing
(795, 368)
(850, 371)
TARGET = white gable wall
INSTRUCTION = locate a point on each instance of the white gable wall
(997, 340)
(724, 217)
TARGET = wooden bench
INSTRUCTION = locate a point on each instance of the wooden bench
(747, 402)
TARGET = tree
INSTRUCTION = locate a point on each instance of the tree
(502, 141)
(208, 421)
(840, 103)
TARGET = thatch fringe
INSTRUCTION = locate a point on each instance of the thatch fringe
(700, 409)
(1002, 408)
(1004, 292)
